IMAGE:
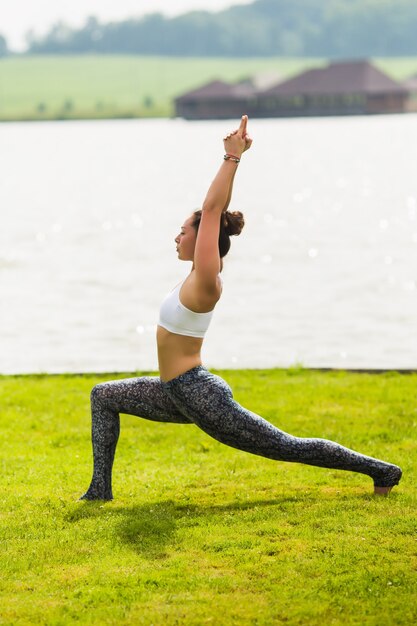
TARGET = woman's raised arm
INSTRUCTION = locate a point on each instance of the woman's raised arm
(206, 256)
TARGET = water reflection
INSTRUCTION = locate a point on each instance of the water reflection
(324, 272)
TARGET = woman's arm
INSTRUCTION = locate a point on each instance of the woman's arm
(220, 191)
(206, 256)
(248, 143)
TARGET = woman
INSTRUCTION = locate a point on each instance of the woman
(186, 392)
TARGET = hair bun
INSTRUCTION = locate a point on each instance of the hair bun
(233, 222)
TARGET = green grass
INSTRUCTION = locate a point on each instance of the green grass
(71, 87)
(200, 533)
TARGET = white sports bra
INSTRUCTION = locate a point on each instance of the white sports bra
(176, 318)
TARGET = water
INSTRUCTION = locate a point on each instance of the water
(324, 273)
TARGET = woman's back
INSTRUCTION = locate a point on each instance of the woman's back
(181, 327)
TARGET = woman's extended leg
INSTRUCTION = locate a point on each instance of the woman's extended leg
(208, 401)
(143, 397)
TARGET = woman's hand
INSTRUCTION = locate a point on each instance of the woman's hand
(238, 141)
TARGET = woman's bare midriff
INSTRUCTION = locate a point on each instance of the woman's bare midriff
(176, 353)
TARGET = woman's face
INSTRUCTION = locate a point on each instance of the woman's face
(185, 241)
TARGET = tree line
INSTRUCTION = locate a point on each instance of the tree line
(3, 46)
(330, 28)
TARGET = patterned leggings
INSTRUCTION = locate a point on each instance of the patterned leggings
(204, 399)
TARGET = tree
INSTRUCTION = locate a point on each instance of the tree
(330, 28)
(4, 51)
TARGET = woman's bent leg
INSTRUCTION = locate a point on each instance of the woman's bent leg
(208, 401)
(143, 397)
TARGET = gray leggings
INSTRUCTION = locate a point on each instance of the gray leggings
(204, 399)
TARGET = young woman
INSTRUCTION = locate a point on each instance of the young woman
(186, 392)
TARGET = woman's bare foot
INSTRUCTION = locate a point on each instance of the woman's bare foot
(390, 476)
(382, 491)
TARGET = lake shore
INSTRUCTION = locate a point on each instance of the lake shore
(294, 369)
(87, 87)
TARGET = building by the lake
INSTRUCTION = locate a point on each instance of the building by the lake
(411, 85)
(216, 100)
(341, 88)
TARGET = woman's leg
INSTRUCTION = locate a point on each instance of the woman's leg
(143, 397)
(208, 401)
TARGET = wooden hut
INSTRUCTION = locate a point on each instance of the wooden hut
(217, 100)
(411, 84)
(342, 88)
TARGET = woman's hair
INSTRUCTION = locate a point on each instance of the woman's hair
(231, 223)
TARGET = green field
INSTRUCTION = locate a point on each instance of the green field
(60, 87)
(200, 533)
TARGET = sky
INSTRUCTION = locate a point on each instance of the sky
(17, 17)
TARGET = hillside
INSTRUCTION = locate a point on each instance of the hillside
(305, 28)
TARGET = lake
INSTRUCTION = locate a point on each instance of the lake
(324, 273)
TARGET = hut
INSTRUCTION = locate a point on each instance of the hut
(216, 100)
(411, 85)
(341, 88)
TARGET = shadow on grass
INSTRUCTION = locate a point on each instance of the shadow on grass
(147, 528)
(150, 528)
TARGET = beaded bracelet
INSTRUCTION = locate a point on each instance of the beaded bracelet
(231, 157)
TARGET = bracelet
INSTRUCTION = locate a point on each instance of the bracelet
(231, 157)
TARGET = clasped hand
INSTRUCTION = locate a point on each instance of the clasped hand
(238, 141)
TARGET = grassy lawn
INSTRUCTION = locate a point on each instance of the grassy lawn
(61, 87)
(200, 533)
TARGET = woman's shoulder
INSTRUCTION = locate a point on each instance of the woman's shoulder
(192, 280)
(200, 296)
